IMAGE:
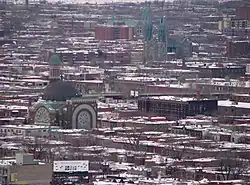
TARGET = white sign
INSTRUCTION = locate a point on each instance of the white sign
(70, 166)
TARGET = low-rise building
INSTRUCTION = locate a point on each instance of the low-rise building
(25, 170)
(233, 108)
(175, 108)
(238, 49)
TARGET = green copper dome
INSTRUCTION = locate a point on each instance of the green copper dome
(55, 60)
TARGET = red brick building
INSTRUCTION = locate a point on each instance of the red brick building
(113, 32)
(243, 13)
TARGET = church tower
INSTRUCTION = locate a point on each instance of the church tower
(148, 50)
(162, 40)
(54, 68)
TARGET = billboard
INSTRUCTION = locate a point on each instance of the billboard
(70, 166)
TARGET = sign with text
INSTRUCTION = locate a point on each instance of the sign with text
(70, 166)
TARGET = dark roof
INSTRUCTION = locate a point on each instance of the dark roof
(60, 91)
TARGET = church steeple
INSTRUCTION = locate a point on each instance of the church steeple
(54, 68)
(162, 39)
(148, 26)
(149, 45)
(162, 32)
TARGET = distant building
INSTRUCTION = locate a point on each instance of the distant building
(233, 108)
(237, 49)
(220, 70)
(62, 104)
(228, 22)
(76, 26)
(180, 48)
(23, 130)
(225, 23)
(225, 86)
(240, 98)
(239, 23)
(187, 48)
(71, 57)
(25, 170)
(174, 108)
(137, 25)
(243, 13)
(234, 26)
(113, 32)
(242, 32)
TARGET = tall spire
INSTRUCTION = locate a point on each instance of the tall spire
(162, 39)
(148, 26)
(162, 32)
(149, 46)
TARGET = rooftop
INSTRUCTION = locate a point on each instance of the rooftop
(228, 103)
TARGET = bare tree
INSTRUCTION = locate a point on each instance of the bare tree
(232, 167)
(37, 146)
(133, 140)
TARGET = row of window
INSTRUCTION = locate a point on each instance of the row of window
(242, 24)
(18, 131)
(10, 131)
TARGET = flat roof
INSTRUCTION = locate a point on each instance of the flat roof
(174, 98)
(228, 103)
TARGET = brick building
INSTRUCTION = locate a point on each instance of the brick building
(238, 49)
(240, 98)
(243, 13)
(233, 108)
(175, 108)
(237, 32)
(76, 26)
(219, 70)
(113, 32)
(78, 56)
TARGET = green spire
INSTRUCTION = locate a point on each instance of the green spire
(162, 32)
(148, 26)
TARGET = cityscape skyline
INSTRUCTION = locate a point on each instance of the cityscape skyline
(125, 93)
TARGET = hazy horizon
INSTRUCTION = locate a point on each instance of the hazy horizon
(93, 1)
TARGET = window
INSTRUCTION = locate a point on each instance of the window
(238, 24)
(243, 24)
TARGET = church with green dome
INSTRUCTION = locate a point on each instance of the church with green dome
(62, 104)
